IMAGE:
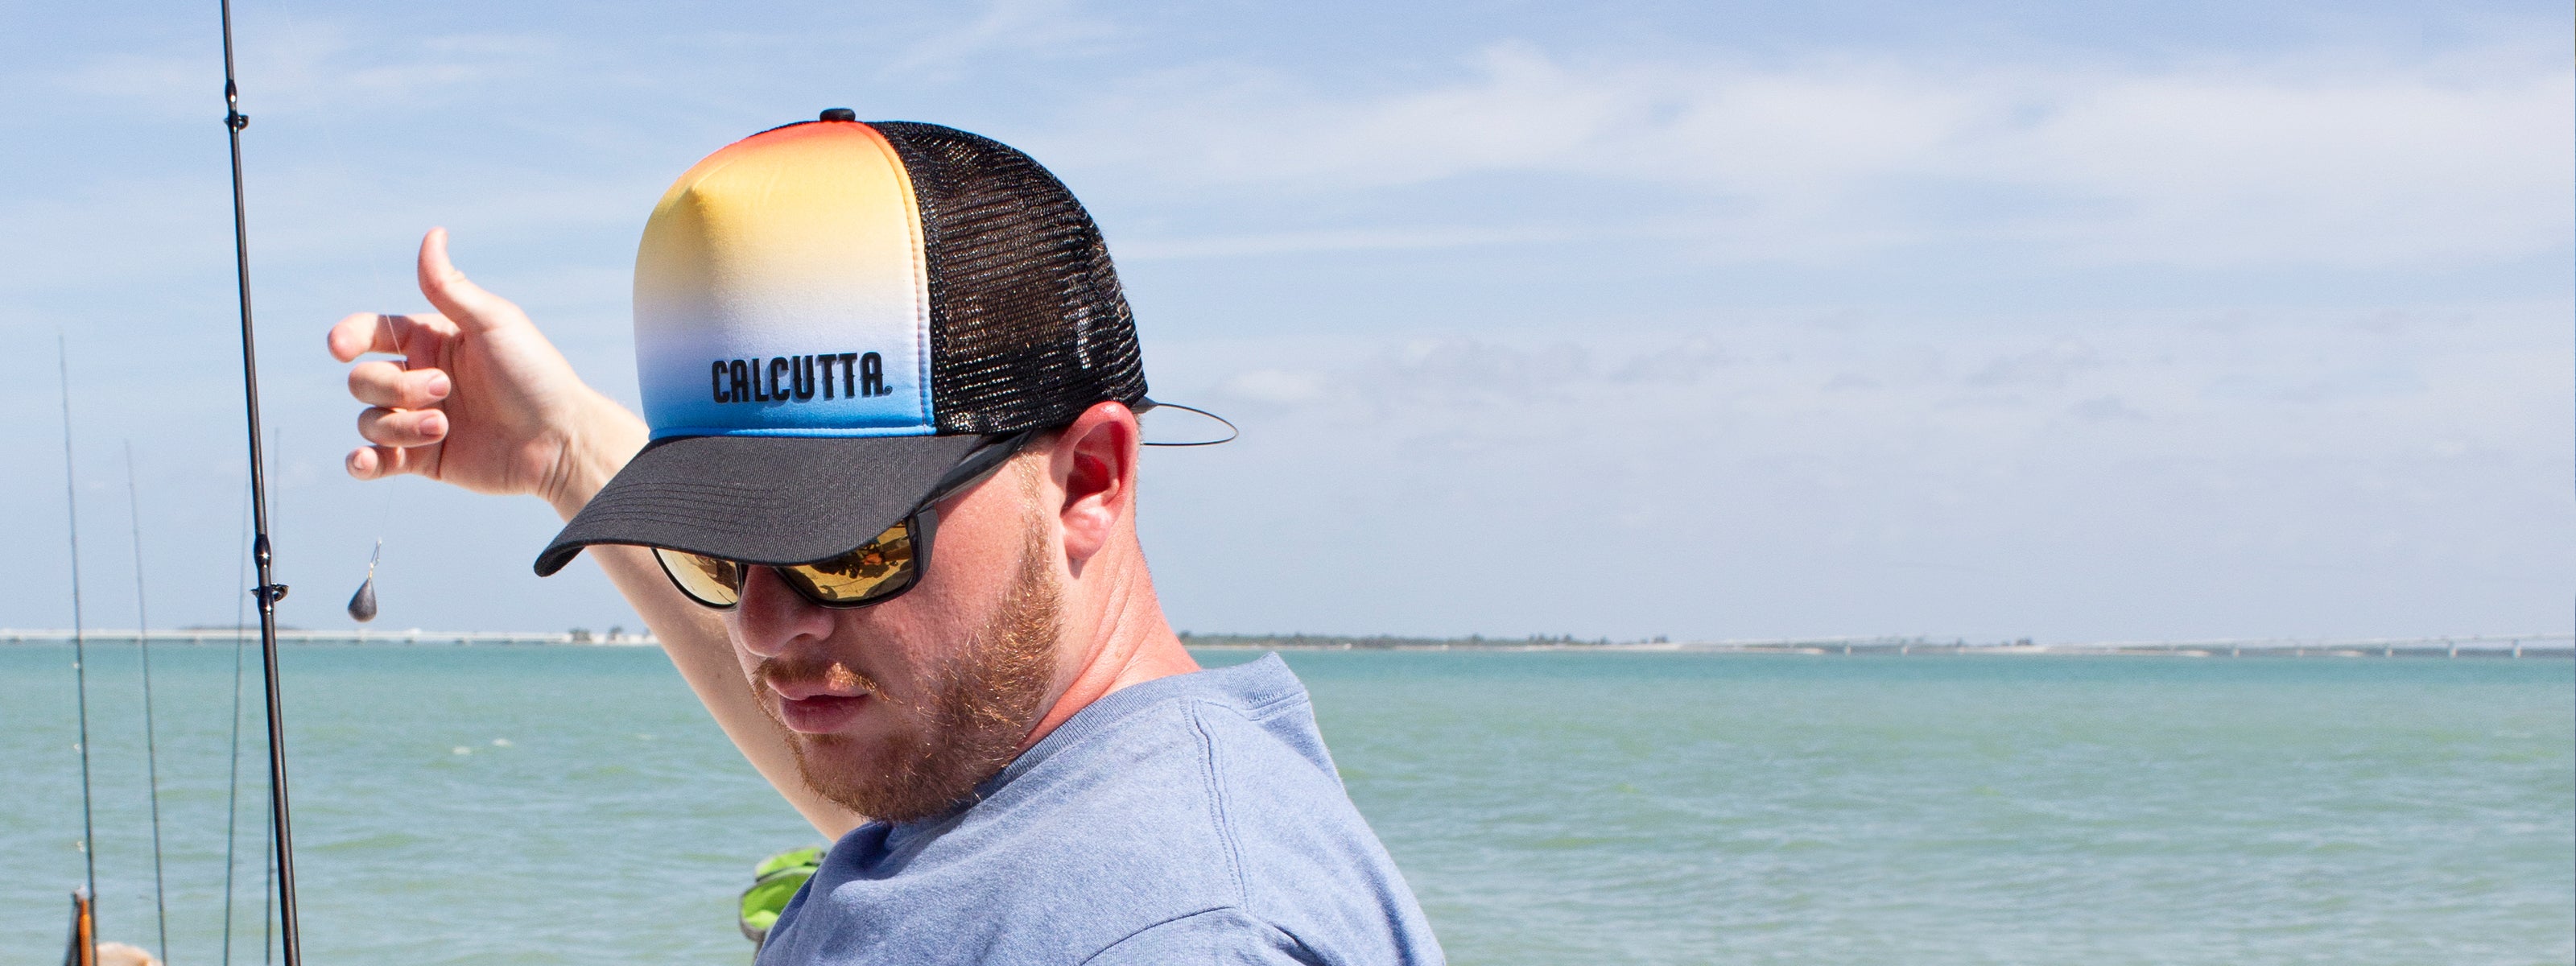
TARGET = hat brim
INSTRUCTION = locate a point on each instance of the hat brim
(760, 499)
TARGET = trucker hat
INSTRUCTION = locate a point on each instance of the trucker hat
(830, 316)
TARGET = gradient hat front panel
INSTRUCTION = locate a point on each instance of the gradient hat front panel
(780, 290)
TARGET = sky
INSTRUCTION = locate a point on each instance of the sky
(2077, 321)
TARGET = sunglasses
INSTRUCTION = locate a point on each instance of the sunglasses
(877, 571)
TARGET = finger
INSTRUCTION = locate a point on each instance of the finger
(363, 333)
(367, 332)
(390, 385)
(378, 462)
(402, 427)
(448, 289)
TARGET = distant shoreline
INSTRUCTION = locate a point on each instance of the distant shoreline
(2559, 645)
(2509, 646)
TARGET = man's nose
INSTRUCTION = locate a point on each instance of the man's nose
(773, 618)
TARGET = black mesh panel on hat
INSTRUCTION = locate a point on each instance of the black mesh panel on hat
(1027, 324)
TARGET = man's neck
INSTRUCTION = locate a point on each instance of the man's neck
(1115, 622)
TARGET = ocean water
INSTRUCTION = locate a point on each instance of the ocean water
(563, 805)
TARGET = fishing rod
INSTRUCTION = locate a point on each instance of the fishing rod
(151, 743)
(269, 591)
(83, 903)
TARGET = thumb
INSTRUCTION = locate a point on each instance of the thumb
(456, 297)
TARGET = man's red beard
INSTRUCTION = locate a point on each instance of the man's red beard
(978, 714)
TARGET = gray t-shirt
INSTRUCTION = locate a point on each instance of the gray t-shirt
(1188, 819)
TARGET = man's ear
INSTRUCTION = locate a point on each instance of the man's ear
(1095, 467)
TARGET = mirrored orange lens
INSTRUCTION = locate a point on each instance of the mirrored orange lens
(878, 568)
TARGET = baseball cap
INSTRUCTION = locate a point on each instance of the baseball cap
(830, 316)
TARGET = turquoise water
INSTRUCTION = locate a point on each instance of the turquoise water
(1547, 807)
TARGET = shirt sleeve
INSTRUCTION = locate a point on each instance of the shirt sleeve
(1217, 937)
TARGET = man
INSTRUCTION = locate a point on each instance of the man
(880, 510)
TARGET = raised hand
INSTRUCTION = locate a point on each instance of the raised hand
(481, 399)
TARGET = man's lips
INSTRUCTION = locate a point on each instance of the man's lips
(816, 707)
(822, 713)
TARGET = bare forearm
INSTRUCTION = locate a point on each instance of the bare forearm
(693, 636)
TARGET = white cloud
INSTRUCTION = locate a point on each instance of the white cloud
(1002, 28)
(2297, 160)
(2141, 475)
(2363, 168)
(1274, 386)
(300, 66)
(1348, 240)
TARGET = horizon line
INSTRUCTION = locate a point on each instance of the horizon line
(586, 637)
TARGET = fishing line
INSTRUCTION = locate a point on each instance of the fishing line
(268, 591)
(362, 605)
(151, 746)
(80, 638)
(232, 785)
(335, 154)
